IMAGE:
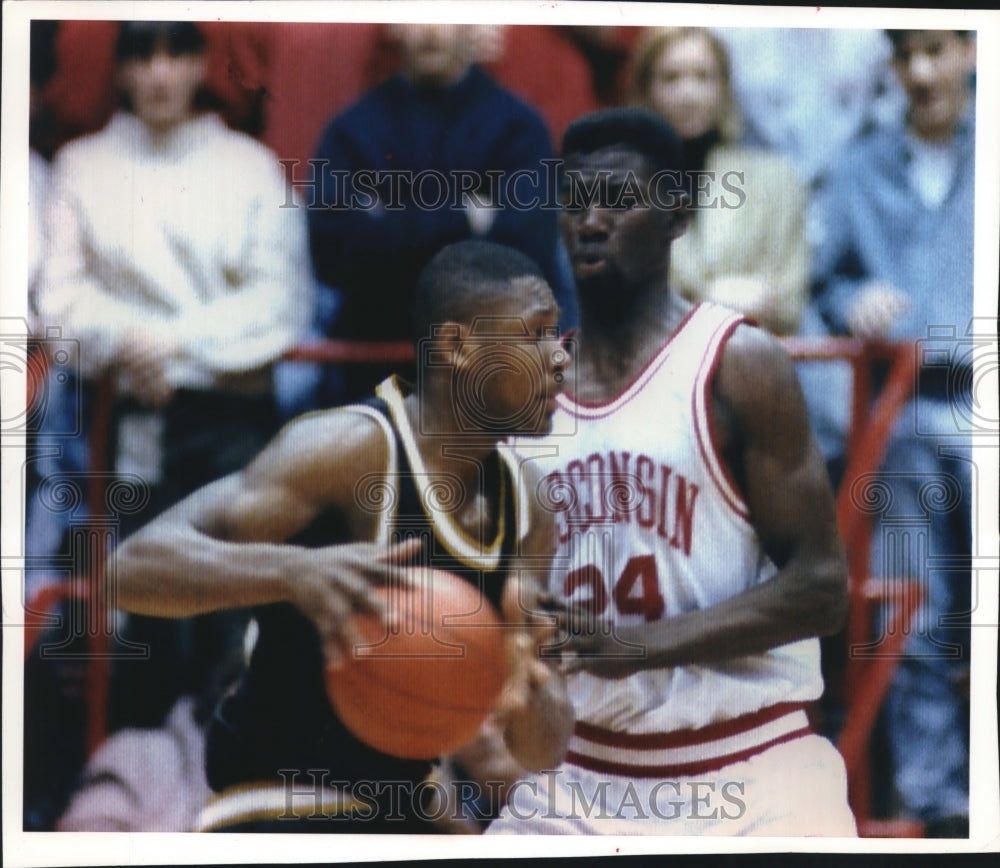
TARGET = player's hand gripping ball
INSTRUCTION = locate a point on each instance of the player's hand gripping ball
(423, 686)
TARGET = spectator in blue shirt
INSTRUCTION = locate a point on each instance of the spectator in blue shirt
(896, 263)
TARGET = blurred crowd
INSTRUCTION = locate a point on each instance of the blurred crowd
(185, 231)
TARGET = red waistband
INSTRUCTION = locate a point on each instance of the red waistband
(687, 752)
(686, 737)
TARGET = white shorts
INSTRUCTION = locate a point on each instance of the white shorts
(797, 788)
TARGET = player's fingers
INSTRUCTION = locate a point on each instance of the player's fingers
(520, 649)
(582, 643)
(403, 551)
(543, 632)
(514, 696)
(352, 639)
(570, 662)
(550, 605)
(403, 576)
(383, 609)
(361, 596)
(360, 592)
(333, 625)
(555, 615)
(381, 567)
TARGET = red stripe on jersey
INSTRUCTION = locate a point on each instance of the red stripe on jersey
(685, 737)
(681, 769)
(708, 443)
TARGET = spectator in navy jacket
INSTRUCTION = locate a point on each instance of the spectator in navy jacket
(437, 154)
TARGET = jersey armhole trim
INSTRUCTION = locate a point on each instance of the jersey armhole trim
(601, 409)
(385, 520)
(519, 491)
(455, 540)
(701, 401)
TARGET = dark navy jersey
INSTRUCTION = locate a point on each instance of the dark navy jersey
(278, 723)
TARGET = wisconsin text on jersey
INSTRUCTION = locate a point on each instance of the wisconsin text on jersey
(610, 488)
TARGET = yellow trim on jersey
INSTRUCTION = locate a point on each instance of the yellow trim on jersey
(459, 544)
(263, 800)
(387, 516)
(509, 457)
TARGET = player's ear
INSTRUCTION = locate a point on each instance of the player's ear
(460, 345)
(445, 333)
(446, 340)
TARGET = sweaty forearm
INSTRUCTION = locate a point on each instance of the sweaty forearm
(182, 574)
(789, 607)
(785, 609)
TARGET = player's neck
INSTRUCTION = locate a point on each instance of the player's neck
(444, 443)
(649, 315)
(611, 352)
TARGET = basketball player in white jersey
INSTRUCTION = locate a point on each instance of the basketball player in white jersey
(699, 555)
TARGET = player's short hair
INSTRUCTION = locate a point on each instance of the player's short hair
(139, 40)
(631, 128)
(462, 279)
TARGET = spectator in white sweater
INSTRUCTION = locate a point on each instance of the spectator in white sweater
(179, 264)
(173, 259)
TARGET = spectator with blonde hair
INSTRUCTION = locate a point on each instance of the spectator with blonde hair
(746, 247)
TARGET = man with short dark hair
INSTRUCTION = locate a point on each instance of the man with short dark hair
(896, 264)
(332, 509)
(699, 557)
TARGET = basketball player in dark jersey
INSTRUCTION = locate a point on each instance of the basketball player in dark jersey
(338, 504)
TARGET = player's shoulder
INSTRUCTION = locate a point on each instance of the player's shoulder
(753, 364)
(535, 521)
(347, 438)
(750, 338)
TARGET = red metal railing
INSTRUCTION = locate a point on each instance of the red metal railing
(866, 679)
(868, 673)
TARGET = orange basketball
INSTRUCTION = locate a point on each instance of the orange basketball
(424, 687)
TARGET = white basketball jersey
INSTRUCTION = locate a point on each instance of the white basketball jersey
(651, 526)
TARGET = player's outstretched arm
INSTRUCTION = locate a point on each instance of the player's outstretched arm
(224, 546)
(536, 712)
(763, 430)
